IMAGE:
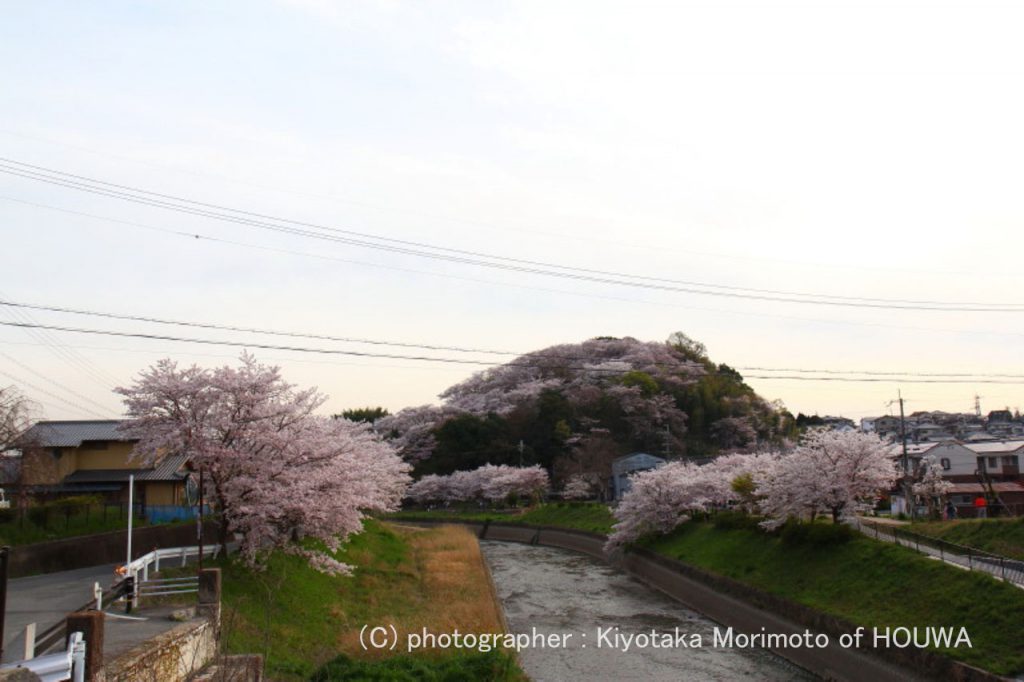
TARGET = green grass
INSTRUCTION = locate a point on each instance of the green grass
(866, 582)
(54, 524)
(307, 623)
(999, 536)
(588, 516)
(496, 666)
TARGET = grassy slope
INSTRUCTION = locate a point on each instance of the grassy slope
(301, 619)
(867, 582)
(588, 516)
(1000, 536)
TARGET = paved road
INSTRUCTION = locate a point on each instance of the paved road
(46, 599)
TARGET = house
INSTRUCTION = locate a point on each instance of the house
(999, 460)
(62, 458)
(626, 465)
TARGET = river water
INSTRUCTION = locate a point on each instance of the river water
(553, 591)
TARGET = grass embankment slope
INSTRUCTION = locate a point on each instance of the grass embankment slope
(999, 536)
(869, 583)
(307, 623)
(588, 516)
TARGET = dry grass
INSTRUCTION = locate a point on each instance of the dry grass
(452, 589)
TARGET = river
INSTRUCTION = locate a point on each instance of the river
(554, 591)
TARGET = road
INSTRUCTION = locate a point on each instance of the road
(46, 599)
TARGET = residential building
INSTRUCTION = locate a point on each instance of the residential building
(62, 458)
(626, 465)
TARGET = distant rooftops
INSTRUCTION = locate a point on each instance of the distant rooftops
(71, 434)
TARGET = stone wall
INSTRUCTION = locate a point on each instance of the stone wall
(170, 657)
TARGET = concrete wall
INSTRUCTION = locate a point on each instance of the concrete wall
(748, 609)
(171, 657)
(102, 548)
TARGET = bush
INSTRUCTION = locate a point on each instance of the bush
(816, 534)
(735, 520)
(74, 501)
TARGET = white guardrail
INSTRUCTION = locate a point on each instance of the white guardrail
(139, 568)
(66, 665)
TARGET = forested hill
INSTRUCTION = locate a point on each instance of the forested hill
(575, 407)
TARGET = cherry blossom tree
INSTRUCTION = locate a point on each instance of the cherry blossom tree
(278, 473)
(929, 486)
(488, 483)
(661, 499)
(834, 472)
(578, 487)
(595, 376)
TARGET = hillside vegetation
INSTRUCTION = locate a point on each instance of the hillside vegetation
(999, 536)
(307, 623)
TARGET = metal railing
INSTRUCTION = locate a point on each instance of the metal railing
(971, 558)
(136, 573)
(65, 665)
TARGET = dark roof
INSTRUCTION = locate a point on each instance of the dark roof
(70, 434)
(169, 469)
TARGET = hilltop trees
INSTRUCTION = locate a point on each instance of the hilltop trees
(572, 408)
(277, 472)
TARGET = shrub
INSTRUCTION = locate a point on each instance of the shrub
(797, 533)
(735, 520)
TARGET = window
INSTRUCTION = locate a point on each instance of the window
(945, 464)
(993, 462)
(1010, 461)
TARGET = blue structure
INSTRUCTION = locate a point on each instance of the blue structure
(630, 464)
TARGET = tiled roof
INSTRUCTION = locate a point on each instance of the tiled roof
(169, 469)
(996, 446)
(70, 434)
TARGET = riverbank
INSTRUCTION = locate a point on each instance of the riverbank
(307, 624)
(857, 580)
(998, 536)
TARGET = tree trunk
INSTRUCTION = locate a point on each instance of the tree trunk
(222, 535)
(835, 515)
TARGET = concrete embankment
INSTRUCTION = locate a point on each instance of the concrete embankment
(747, 610)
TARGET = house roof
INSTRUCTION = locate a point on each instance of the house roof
(635, 462)
(71, 434)
(169, 469)
(996, 446)
(999, 487)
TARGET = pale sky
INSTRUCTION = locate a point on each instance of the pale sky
(854, 149)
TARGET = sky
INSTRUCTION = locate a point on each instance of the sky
(866, 150)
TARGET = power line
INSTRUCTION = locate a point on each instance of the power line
(193, 236)
(406, 247)
(45, 392)
(463, 361)
(52, 382)
(571, 358)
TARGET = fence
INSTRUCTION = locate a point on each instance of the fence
(1010, 570)
(141, 585)
(66, 665)
(54, 516)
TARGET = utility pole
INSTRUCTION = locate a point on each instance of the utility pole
(668, 442)
(521, 448)
(906, 459)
